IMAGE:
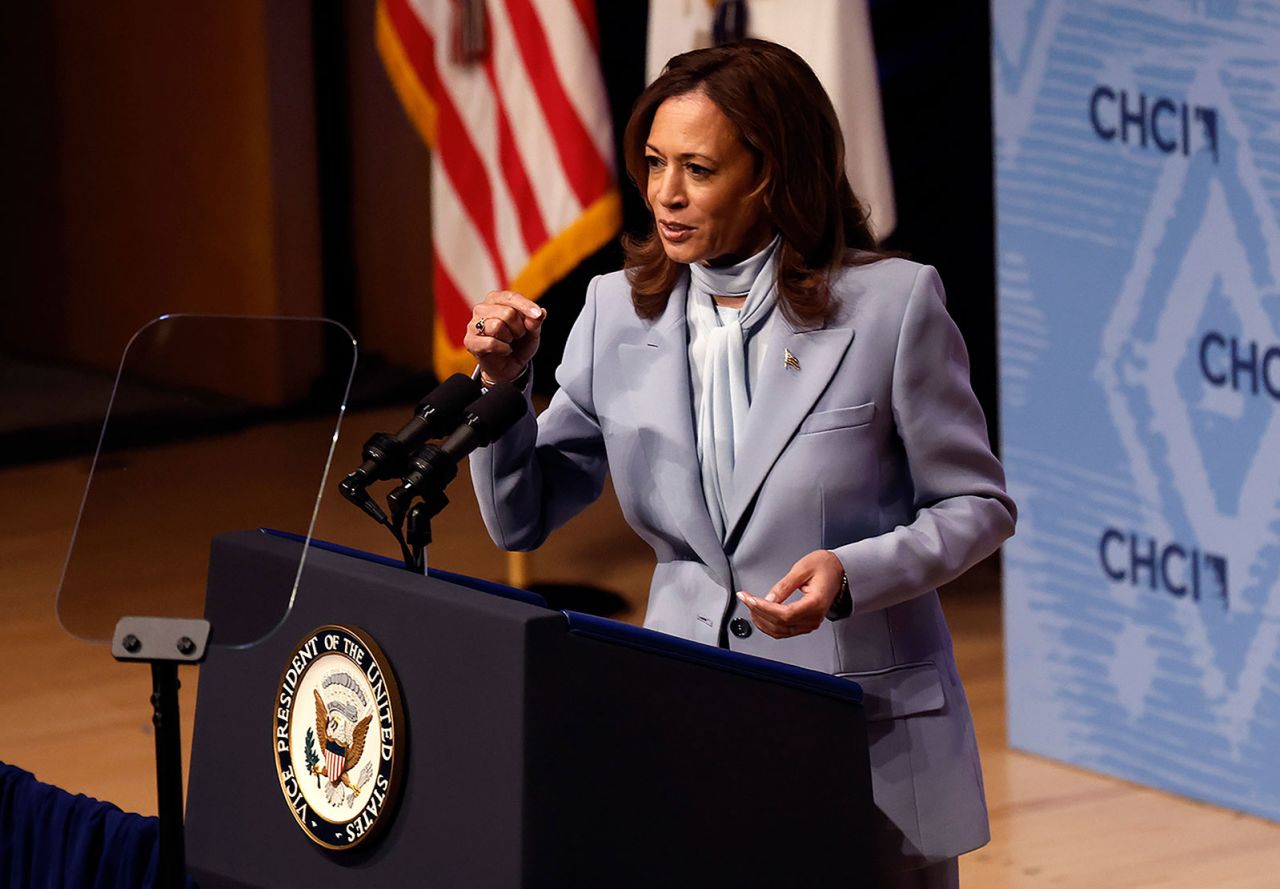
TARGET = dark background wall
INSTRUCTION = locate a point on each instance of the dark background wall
(161, 159)
(935, 82)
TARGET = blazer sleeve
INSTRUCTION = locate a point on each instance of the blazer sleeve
(542, 473)
(961, 510)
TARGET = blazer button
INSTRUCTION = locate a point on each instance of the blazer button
(740, 627)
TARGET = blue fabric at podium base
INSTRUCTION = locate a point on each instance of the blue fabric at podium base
(49, 838)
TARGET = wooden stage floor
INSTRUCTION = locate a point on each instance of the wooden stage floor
(79, 720)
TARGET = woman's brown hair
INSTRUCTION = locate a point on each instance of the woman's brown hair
(783, 115)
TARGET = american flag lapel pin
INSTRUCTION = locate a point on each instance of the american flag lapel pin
(790, 360)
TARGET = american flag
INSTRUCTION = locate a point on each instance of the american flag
(508, 96)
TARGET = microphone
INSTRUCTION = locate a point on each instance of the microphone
(484, 421)
(386, 456)
(439, 412)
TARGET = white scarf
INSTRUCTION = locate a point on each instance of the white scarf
(718, 362)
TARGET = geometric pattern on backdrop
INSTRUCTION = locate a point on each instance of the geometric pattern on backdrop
(1138, 217)
(508, 96)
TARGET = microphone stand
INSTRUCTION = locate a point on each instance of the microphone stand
(418, 529)
(431, 471)
(409, 522)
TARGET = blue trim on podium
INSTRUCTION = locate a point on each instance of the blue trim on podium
(719, 658)
(485, 586)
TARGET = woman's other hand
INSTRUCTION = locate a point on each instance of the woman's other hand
(818, 577)
(503, 334)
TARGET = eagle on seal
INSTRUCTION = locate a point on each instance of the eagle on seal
(342, 743)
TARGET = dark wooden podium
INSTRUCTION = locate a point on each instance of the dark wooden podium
(545, 748)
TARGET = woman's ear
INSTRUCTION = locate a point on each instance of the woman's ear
(764, 191)
(764, 187)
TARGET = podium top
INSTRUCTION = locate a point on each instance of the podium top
(618, 633)
(485, 586)
(719, 658)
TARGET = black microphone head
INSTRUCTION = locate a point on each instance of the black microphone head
(495, 412)
(447, 401)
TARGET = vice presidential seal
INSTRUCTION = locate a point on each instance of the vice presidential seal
(337, 737)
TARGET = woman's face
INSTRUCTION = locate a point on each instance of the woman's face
(703, 186)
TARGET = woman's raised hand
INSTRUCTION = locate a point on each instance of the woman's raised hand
(503, 334)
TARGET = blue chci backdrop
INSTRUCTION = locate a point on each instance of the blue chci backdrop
(1138, 205)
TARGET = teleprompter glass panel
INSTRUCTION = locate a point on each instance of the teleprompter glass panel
(217, 423)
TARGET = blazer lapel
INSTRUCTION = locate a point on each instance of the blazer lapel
(784, 396)
(659, 368)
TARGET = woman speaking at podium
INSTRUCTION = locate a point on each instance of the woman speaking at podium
(788, 421)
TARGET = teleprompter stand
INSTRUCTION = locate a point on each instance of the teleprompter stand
(165, 643)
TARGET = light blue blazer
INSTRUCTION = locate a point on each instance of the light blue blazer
(874, 448)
